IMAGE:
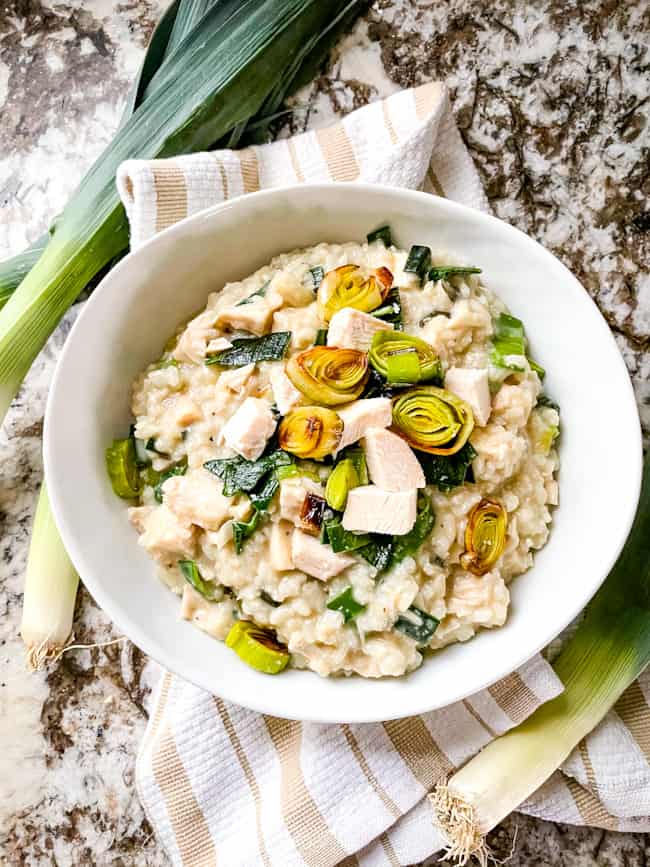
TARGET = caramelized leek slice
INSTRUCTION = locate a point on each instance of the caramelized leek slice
(342, 479)
(485, 537)
(258, 647)
(348, 286)
(329, 375)
(433, 419)
(391, 354)
(310, 432)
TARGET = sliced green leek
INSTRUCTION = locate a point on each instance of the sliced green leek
(391, 309)
(310, 432)
(342, 479)
(328, 374)
(418, 260)
(122, 468)
(250, 350)
(258, 647)
(400, 358)
(381, 234)
(347, 605)
(417, 624)
(509, 346)
(485, 536)
(190, 571)
(432, 419)
(349, 286)
(444, 272)
(341, 540)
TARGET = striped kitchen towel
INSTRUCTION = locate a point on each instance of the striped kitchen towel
(224, 785)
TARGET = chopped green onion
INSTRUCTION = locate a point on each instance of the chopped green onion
(607, 653)
(417, 624)
(321, 337)
(444, 272)
(316, 275)
(378, 552)
(190, 572)
(418, 260)
(250, 350)
(382, 234)
(346, 604)
(50, 590)
(258, 647)
(259, 293)
(121, 465)
(403, 367)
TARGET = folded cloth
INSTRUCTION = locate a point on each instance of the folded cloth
(222, 784)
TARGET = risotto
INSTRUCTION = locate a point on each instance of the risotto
(343, 460)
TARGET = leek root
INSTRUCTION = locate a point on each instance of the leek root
(50, 590)
(607, 653)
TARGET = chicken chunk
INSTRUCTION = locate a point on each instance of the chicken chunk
(391, 462)
(353, 329)
(165, 533)
(287, 288)
(199, 338)
(236, 379)
(182, 412)
(315, 559)
(280, 546)
(254, 317)
(215, 618)
(249, 429)
(196, 498)
(360, 416)
(292, 496)
(471, 385)
(372, 510)
(285, 394)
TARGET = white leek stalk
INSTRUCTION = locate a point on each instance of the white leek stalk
(50, 590)
(607, 653)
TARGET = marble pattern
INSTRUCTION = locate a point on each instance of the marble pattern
(552, 101)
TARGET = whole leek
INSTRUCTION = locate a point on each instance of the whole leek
(50, 590)
(607, 653)
(240, 58)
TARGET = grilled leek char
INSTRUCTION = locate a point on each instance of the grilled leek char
(348, 286)
(328, 375)
(310, 432)
(258, 647)
(433, 420)
(485, 537)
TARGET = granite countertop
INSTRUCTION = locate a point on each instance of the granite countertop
(552, 100)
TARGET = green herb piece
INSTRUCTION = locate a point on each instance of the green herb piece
(403, 367)
(340, 539)
(190, 572)
(447, 471)
(341, 480)
(408, 544)
(358, 458)
(418, 260)
(321, 337)
(250, 350)
(417, 624)
(376, 386)
(382, 234)
(346, 604)
(264, 596)
(316, 275)
(391, 309)
(444, 272)
(240, 475)
(261, 497)
(537, 368)
(242, 530)
(157, 480)
(259, 293)
(121, 466)
(509, 346)
(378, 552)
(545, 400)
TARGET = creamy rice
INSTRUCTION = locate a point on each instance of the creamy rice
(182, 404)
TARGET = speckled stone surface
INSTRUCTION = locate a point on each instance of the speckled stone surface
(552, 99)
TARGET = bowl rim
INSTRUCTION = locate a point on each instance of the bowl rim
(165, 657)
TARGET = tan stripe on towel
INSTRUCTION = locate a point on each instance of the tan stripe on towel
(418, 750)
(388, 122)
(435, 183)
(378, 789)
(248, 773)
(187, 821)
(159, 710)
(224, 178)
(592, 782)
(633, 710)
(426, 97)
(387, 846)
(350, 861)
(479, 719)
(338, 153)
(250, 170)
(295, 164)
(589, 807)
(171, 194)
(515, 698)
(308, 828)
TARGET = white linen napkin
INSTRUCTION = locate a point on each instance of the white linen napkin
(222, 784)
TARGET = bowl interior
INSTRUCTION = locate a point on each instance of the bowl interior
(140, 303)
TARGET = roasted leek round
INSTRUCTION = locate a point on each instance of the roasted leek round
(485, 536)
(392, 354)
(329, 375)
(310, 432)
(348, 286)
(432, 419)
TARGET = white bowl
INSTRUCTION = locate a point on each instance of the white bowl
(140, 303)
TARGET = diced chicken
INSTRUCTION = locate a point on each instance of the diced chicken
(182, 412)
(302, 322)
(315, 559)
(353, 329)
(220, 537)
(372, 510)
(292, 496)
(217, 345)
(360, 416)
(212, 617)
(254, 316)
(471, 385)
(391, 462)
(196, 498)
(280, 546)
(138, 516)
(288, 289)
(236, 379)
(248, 430)
(199, 338)
(165, 533)
(285, 394)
